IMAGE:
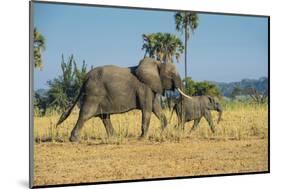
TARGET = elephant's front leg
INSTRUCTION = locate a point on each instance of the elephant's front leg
(157, 110)
(146, 115)
(146, 107)
(208, 117)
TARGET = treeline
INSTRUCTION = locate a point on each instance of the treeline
(255, 90)
(226, 89)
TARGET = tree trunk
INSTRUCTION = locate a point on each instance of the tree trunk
(185, 54)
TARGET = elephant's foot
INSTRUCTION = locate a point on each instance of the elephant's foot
(163, 128)
(112, 134)
(142, 136)
(213, 130)
(190, 131)
(73, 138)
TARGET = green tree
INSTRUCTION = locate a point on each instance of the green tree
(186, 22)
(201, 88)
(38, 47)
(64, 89)
(190, 86)
(206, 88)
(236, 92)
(162, 46)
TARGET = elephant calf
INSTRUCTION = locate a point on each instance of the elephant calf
(196, 108)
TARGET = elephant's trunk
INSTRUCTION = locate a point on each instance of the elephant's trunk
(183, 94)
(220, 114)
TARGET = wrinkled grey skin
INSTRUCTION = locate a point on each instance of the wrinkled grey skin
(195, 109)
(111, 90)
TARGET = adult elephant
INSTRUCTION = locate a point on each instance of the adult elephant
(195, 108)
(110, 90)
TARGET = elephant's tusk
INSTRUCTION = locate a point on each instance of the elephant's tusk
(182, 93)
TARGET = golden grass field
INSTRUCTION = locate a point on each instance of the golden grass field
(240, 144)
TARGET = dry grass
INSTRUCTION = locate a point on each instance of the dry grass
(239, 145)
(239, 122)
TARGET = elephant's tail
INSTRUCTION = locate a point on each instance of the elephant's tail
(68, 111)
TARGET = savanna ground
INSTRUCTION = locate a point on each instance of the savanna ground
(239, 145)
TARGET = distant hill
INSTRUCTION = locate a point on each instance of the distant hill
(226, 89)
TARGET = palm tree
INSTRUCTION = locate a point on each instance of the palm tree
(39, 46)
(162, 46)
(186, 22)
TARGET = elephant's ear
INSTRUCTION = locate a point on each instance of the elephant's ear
(148, 73)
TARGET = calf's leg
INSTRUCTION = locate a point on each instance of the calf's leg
(195, 125)
(208, 117)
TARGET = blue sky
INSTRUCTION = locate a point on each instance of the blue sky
(223, 48)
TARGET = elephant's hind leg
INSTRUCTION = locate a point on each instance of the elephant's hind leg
(107, 124)
(87, 110)
(195, 125)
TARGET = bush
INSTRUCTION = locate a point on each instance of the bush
(63, 90)
(193, 88)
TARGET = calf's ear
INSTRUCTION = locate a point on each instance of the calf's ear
(211, 99)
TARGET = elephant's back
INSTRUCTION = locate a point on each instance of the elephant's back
(106, 71)
(112, 80)
(111, 73)
(116, 86)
